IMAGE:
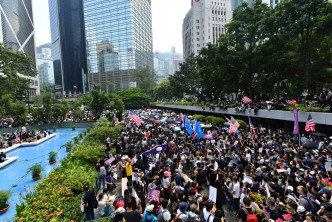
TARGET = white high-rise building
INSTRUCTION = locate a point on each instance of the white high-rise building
(204, 23)
(175, 59)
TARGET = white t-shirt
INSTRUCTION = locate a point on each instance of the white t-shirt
(248, 156)
(207, 214)
(236, 188)
(165, 182)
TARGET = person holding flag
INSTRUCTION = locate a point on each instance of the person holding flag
(188, 127)
(198, 133)
(183, 122)
(135, 118)
(310, 125)
(252, 128)
(233, 125)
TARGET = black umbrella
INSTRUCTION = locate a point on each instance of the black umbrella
(166, 130)
(170, 121)
(310, 145)
(318, 134)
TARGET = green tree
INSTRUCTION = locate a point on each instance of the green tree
(18, 111)
(47, 87)
(165, 90)
(145, 79)
(245, 32)
(187, 79)
(14, 64)
(117, 105)
(43, 113)
(304, 22)
(134, 98)
(99, 101)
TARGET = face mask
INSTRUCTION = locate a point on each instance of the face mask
(272, 173)
(306, 158)
(297, 167)
(279, 183)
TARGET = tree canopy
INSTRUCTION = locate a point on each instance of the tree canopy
(265, 50)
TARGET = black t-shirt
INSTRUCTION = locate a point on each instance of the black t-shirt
(88, 199)
(133, 216)
(243, 215)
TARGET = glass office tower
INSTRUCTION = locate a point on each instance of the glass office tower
(17, 31)
(68, 45)
(118, 40)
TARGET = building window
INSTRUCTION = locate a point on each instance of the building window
(197, 20)
(197, 33)
(212, 12)
(208, 37)
(197, 27)
(198, 45)
(212, 18)
(198, 39)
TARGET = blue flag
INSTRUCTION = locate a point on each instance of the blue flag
(198, 131)
(188, 127)
(156, 149)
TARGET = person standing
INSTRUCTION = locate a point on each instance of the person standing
(129, 170)
(236, 193)
(88, 203)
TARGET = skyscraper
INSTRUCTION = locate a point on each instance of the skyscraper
(118, 40)
(68, 45)
(17, 31)
(204, 23)
(174, 61)
(45, 71)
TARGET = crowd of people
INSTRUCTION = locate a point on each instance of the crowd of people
(322, 100)
(269, 178)
(10, 139)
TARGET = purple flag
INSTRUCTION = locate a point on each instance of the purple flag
(296, 129)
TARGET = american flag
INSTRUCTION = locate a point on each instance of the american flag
(310, 125)
(233, 125)
(252, 128)
(246, 100)
(135, 118)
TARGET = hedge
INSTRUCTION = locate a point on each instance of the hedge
(57, 196)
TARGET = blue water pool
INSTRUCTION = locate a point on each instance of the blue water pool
(27, 157)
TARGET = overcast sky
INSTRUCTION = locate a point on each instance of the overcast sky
(167, 17)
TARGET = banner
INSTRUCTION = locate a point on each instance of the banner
(296, 122)
(154, 195)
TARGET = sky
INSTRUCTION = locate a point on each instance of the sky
(167, 18)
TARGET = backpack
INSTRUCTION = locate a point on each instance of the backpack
(153, 218)
(191, 219)
(161, 216)
(178, 219)
(102, 172)
(251, 217)
(311, 207)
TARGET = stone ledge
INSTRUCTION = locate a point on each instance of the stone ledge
(319, 118)
(28, 144)
(8, 161)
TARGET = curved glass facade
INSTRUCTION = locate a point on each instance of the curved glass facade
(118, 39)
